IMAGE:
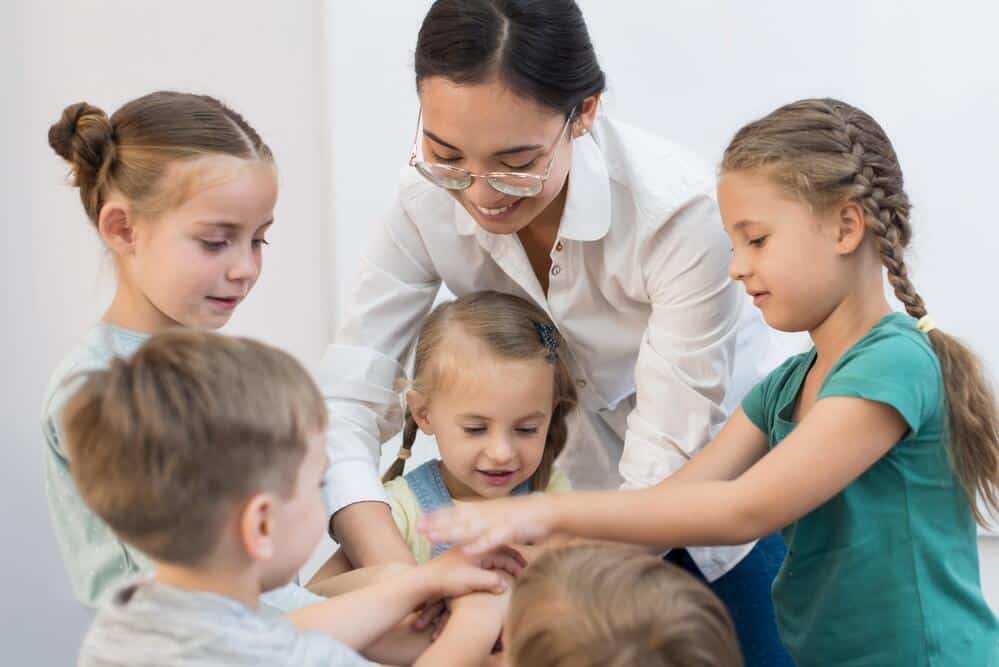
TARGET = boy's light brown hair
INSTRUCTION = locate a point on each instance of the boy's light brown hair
(601, 605)
(164, 445)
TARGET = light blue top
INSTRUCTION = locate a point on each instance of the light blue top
(147, 623)
(96, 561)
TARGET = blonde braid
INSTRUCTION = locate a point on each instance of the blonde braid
(878, 188)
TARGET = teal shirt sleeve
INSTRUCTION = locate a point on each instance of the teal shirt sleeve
(760, 402)
(895, 370)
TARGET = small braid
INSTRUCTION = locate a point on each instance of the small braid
(405, 450)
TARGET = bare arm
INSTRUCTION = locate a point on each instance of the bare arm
(839, 439)
(368, 535)
(471, 632)
(360, 617)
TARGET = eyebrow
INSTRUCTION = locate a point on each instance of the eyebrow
(471, 415)
(523, 148)
(224, 224)
(743, 223)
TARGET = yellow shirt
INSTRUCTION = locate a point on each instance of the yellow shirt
(406, 512)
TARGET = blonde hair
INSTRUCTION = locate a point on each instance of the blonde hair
(511, 328)
(596, 605)
(131, 151)
(825, 152)
(162, 444)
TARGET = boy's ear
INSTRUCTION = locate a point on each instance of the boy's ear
(256, 527)
(851, 228)
(115, 225)
(419, 408)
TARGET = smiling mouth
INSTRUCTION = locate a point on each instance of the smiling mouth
(497, 212)
(497, 477)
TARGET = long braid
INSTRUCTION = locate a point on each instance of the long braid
(879, 190)
(826, 152)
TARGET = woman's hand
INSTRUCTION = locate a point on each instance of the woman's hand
(484, 526)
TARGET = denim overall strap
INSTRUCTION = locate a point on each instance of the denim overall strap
(431, 492)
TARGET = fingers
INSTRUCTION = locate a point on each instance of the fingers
(439, 623)
(504, 559)
(430, 612)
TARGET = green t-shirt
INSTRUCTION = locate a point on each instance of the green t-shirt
(886, 571)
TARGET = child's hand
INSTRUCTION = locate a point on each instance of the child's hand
(483, 526)
(456, 573)
(448, 568)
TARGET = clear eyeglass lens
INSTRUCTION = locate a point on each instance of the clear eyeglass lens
(446, 177)
(518, 186)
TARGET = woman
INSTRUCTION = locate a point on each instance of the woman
(519, 186)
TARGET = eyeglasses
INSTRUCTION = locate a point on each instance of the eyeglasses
(515, 183)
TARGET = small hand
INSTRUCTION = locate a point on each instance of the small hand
(483, 526)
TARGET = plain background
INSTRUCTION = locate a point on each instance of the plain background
(329, 87)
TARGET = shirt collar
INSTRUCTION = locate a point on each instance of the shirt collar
(587, 204)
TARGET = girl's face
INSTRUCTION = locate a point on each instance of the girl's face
(785, 254)
(490, 421)
(485, 127)
(194, 264)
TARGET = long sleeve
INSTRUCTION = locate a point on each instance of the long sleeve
(686, 356)
(360, 371)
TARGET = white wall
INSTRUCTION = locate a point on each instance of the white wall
(262, 58)
(696, 70)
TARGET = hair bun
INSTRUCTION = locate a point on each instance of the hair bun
(83, 137)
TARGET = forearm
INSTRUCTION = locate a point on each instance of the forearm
(669, 515)
(368, 535)
(336, 565)
(357, 579)
(360, 617)
(468, 637)
(402, 645)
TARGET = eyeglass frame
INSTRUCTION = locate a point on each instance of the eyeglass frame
(540, 178)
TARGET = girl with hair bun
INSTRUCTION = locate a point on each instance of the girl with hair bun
(181, 191)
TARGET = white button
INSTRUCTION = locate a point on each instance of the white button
(581, 383)
(556, 270)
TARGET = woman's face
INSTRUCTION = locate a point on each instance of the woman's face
(485, 127)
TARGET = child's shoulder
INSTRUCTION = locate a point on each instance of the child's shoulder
(893, 348)
(93, 352)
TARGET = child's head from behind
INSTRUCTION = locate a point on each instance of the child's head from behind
(182, 190)
(614, 606)
(203, 447)
(812, 197)
(490, 383)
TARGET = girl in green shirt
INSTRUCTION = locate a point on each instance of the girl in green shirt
(887, 428)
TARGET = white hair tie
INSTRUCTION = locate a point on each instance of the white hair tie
(926, 324)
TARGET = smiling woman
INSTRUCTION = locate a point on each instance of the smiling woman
(521, 186)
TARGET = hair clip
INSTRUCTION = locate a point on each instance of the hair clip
(547, 333)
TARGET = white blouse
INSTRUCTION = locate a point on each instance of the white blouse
(638, 289)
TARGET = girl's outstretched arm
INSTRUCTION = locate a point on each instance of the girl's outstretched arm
(838, 440)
